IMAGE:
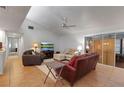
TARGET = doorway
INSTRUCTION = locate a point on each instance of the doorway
(120, 50)
(13, 43)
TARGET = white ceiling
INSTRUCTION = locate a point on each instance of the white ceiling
(12, 17)
(86, 18)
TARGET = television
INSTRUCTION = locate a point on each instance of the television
(46, 46)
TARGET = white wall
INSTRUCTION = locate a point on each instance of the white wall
(61, 42)
(2, 37)
(38, 34)
(71, 41)
(4, 41)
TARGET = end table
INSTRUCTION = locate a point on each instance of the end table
(54, 65)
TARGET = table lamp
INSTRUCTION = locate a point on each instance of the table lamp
(79, 48)
(35, 46)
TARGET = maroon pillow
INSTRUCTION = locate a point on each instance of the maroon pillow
(72, 61)
(74, 58)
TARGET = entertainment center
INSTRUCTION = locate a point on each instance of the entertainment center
(48, 49)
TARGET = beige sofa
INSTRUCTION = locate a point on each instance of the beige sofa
(59, 56)
(66, 55)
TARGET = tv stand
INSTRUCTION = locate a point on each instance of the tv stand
(48, 53)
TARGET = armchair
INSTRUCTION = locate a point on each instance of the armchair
(28, 59)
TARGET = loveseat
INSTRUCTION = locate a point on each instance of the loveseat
(79, 66)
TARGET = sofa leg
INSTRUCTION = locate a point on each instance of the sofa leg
(72, 84)
(94, 68)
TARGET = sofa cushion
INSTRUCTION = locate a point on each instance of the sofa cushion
(72, 61)
(70, 51)
(33, 53)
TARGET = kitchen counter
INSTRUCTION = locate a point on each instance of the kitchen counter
(2, 51)
(2, 60)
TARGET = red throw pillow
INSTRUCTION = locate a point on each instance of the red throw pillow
(72, 61)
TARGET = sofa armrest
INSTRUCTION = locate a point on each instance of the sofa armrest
(68, 73)
(69, 68)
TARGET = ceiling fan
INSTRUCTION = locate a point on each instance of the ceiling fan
(65, 23)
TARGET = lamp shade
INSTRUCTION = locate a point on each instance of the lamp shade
(79, 48)
(87, 47)
(35, 45)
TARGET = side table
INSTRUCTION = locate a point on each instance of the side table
(54, 65)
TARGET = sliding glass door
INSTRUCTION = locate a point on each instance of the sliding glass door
(119, 50)
(104, 45)
(98, 47)
(109, 49)
(94, 44)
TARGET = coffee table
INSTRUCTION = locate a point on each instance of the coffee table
(54, 65)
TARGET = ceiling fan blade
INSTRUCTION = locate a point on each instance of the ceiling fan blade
(65, 19)
(71, 26)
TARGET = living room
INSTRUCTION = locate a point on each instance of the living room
(63, 30)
